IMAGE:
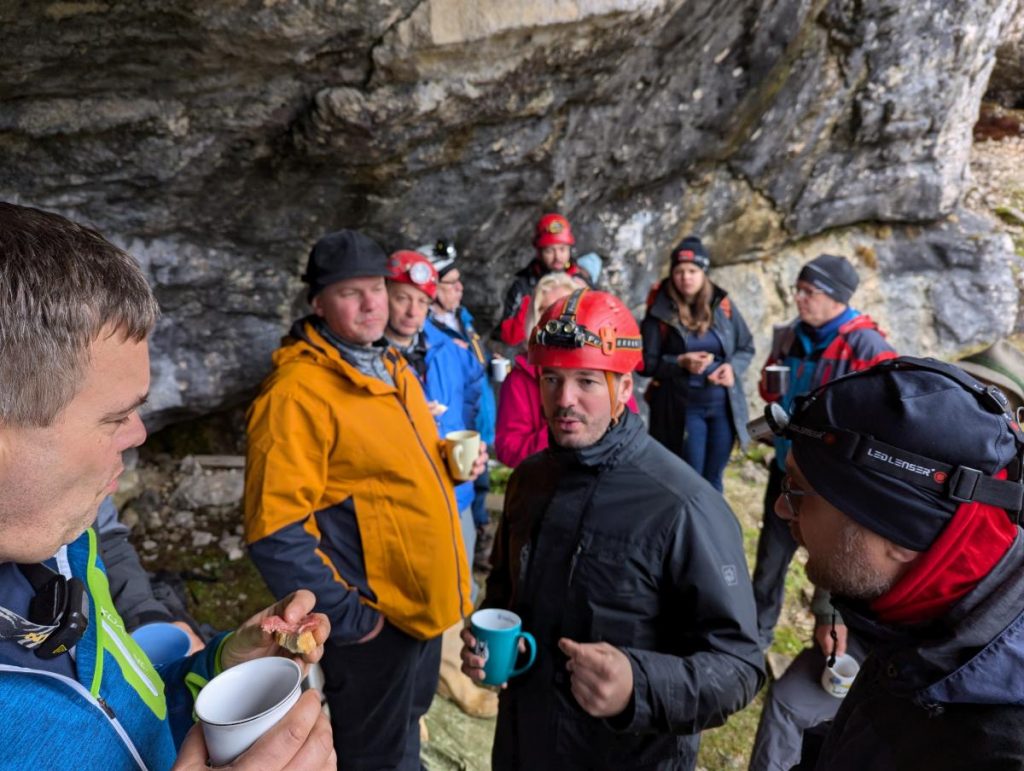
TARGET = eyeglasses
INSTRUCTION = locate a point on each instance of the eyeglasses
(805, 291)
(789, 493)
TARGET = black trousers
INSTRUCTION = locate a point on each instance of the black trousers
(775, 549)
(377, 692)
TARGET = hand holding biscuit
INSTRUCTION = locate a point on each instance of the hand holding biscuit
(285, 628)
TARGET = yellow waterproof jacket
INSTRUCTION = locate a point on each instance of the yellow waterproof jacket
(347, 494)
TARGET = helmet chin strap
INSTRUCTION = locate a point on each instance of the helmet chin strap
(617, 406)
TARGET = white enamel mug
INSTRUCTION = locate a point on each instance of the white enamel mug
(241, 704)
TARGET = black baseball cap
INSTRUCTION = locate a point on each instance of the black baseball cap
(341, 255)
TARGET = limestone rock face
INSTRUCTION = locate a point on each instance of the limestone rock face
(217, 141)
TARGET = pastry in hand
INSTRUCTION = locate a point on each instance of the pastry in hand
(298, 638)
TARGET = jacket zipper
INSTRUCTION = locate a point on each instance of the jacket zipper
(126, 654)
(524, 563)
(106, 707)
(573, 561)
(97, 702)
(440, 481)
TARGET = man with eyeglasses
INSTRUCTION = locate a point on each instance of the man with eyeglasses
(796, 708)
(904, 486)
(448, 314)
(827, 340)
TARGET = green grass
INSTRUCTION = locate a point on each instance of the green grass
(218, 592)
(728, 747)
(499, 478)
(236, 593)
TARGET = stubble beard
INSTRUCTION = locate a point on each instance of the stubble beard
(847, 570)
(575, 441)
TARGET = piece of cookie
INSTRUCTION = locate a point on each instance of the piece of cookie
(297, 638)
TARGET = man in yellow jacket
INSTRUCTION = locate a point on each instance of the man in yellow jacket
(347, 493)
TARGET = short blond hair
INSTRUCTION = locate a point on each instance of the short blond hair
(61, 286)
(546, 286)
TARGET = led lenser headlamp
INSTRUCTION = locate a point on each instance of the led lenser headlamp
(58, 614)
(958, 483)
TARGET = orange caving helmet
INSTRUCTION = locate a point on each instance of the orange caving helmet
(553, 229)
(409, 267)
(587, 330)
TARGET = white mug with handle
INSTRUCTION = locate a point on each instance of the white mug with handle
(837, 679)
(462, 449)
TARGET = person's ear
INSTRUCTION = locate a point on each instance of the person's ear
(836, 306)
(317, 306)
(625, 389)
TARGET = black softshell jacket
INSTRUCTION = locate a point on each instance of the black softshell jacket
(622, 542)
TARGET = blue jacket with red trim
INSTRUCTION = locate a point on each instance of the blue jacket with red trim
(855, 344)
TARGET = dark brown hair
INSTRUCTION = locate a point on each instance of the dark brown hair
(694, 315)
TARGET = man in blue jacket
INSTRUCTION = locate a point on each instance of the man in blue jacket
(450, 376)
(449, 315)
(75, 314)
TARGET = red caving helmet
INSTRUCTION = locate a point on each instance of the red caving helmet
(553, 229)
(409, 267)
(587, 330)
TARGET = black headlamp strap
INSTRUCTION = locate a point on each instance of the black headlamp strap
(28, 634)
(22, 631)
(572, 304)
(958, 483)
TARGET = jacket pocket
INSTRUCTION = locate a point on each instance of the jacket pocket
(621, 598)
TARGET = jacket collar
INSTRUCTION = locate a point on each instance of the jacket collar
(307, 339)
(523, 363)
(617, 444)
(536, 269)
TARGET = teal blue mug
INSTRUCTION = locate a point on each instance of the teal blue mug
(497, 634)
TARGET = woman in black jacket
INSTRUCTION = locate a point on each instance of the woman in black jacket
(696, 348)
